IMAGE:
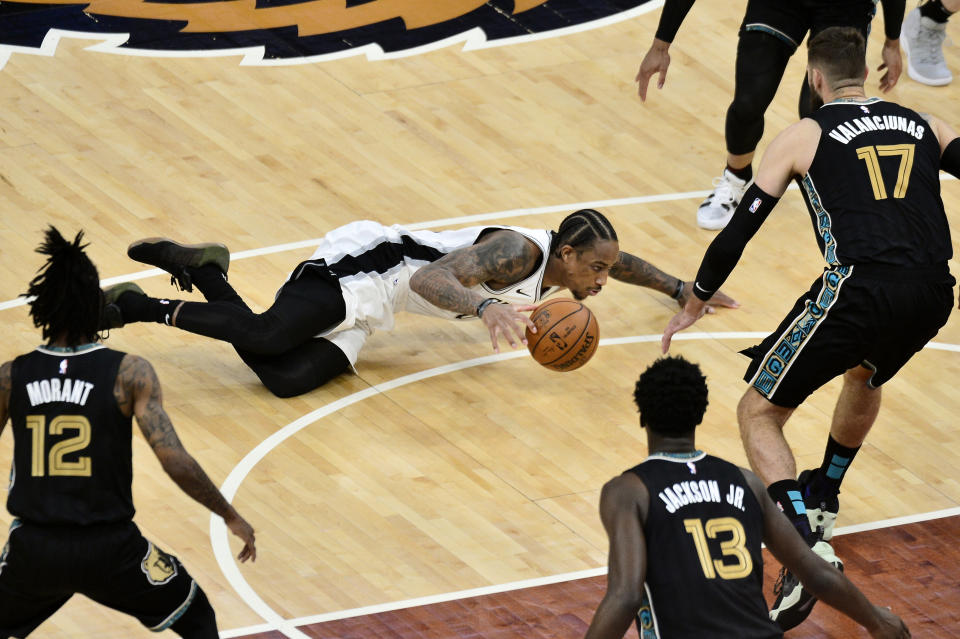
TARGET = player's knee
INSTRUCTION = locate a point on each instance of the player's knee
(315, 364)
(199, 620)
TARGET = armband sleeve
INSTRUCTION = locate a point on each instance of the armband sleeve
(893, 11)
(724, 252)
(671, 17)
(950, 160)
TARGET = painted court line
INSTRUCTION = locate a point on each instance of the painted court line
(224, 557)
(472, 39)
(418, 226)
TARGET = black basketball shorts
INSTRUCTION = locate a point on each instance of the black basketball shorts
(41, 567)
(790, 20)
(877, 317)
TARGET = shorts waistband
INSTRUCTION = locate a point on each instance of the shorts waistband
(931, 274)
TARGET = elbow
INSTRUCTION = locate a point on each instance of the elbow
(626, 599)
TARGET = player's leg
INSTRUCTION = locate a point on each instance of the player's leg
(137, 578)
(857, 408)
(299, 370)
(29, 592)
(304, 307)
(199, 621)
(906, 313)
(821, 338)
(761, 60)
(922, 35)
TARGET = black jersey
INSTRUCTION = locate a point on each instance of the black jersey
(704, 567)
(873, 189)
(72, 455)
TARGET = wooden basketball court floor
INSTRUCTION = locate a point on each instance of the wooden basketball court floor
(438, 468)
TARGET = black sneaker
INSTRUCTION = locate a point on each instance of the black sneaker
(821, 511)
(111, 316)
(175, 258)
(794, 602)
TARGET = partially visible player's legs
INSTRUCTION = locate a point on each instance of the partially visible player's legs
(199, 621)
(761, 61)
(306, 306)
(28, 596)
(853, 417)
(134, 576)
(761, 430)
(299, 370)
(922, 35)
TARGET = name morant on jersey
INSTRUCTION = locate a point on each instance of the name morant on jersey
(696, 492)
(846, 131)
(46, 391)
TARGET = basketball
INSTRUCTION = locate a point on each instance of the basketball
(567, 335)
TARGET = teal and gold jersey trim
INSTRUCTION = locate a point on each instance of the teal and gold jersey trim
(176, 614)
(647, 626)
(823, 221)
(777, 361)
(776, 33)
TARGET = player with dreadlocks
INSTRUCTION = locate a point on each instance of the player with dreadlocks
(363, 273)
(71, 403)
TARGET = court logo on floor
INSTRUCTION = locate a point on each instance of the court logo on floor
(288, 31)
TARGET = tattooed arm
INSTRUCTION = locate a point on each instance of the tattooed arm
(5, 383)
(138, 393)
(633, 270)
(502, 258)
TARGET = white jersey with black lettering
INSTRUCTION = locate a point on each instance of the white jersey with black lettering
(374, 264)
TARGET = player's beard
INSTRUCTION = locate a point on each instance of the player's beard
(816, 100)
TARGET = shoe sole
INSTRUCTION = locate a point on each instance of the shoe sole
(197, 259)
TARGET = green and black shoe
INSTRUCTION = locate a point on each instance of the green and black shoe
(176, 258)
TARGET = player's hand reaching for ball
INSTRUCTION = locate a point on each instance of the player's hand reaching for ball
(693, 310)
(239, 527)
(508, 321)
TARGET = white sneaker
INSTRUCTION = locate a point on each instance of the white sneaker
(718, 208)
(922, 40)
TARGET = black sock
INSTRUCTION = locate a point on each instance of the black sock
(745, 174)
(836, 461)
(786, 494)
(935, 11)
(140, 308)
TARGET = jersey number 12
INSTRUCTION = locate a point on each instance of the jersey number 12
(56, 464)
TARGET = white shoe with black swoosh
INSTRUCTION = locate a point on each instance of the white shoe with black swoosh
(794, 602)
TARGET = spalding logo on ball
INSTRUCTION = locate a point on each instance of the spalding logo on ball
(567, 334)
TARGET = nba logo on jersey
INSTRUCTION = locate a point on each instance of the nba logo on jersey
(755, 205)
(63, 367)
(864, 108)
(692, 467)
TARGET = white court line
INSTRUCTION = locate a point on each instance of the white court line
(543, 581)
(472, 39)
(218, 531)
(419, 226)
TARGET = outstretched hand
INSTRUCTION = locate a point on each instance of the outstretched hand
(509, 321)
(892, 62)
(693, 310)
(657, 60)
(719, 298)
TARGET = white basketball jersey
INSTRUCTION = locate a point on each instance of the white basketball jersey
(374, 264)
